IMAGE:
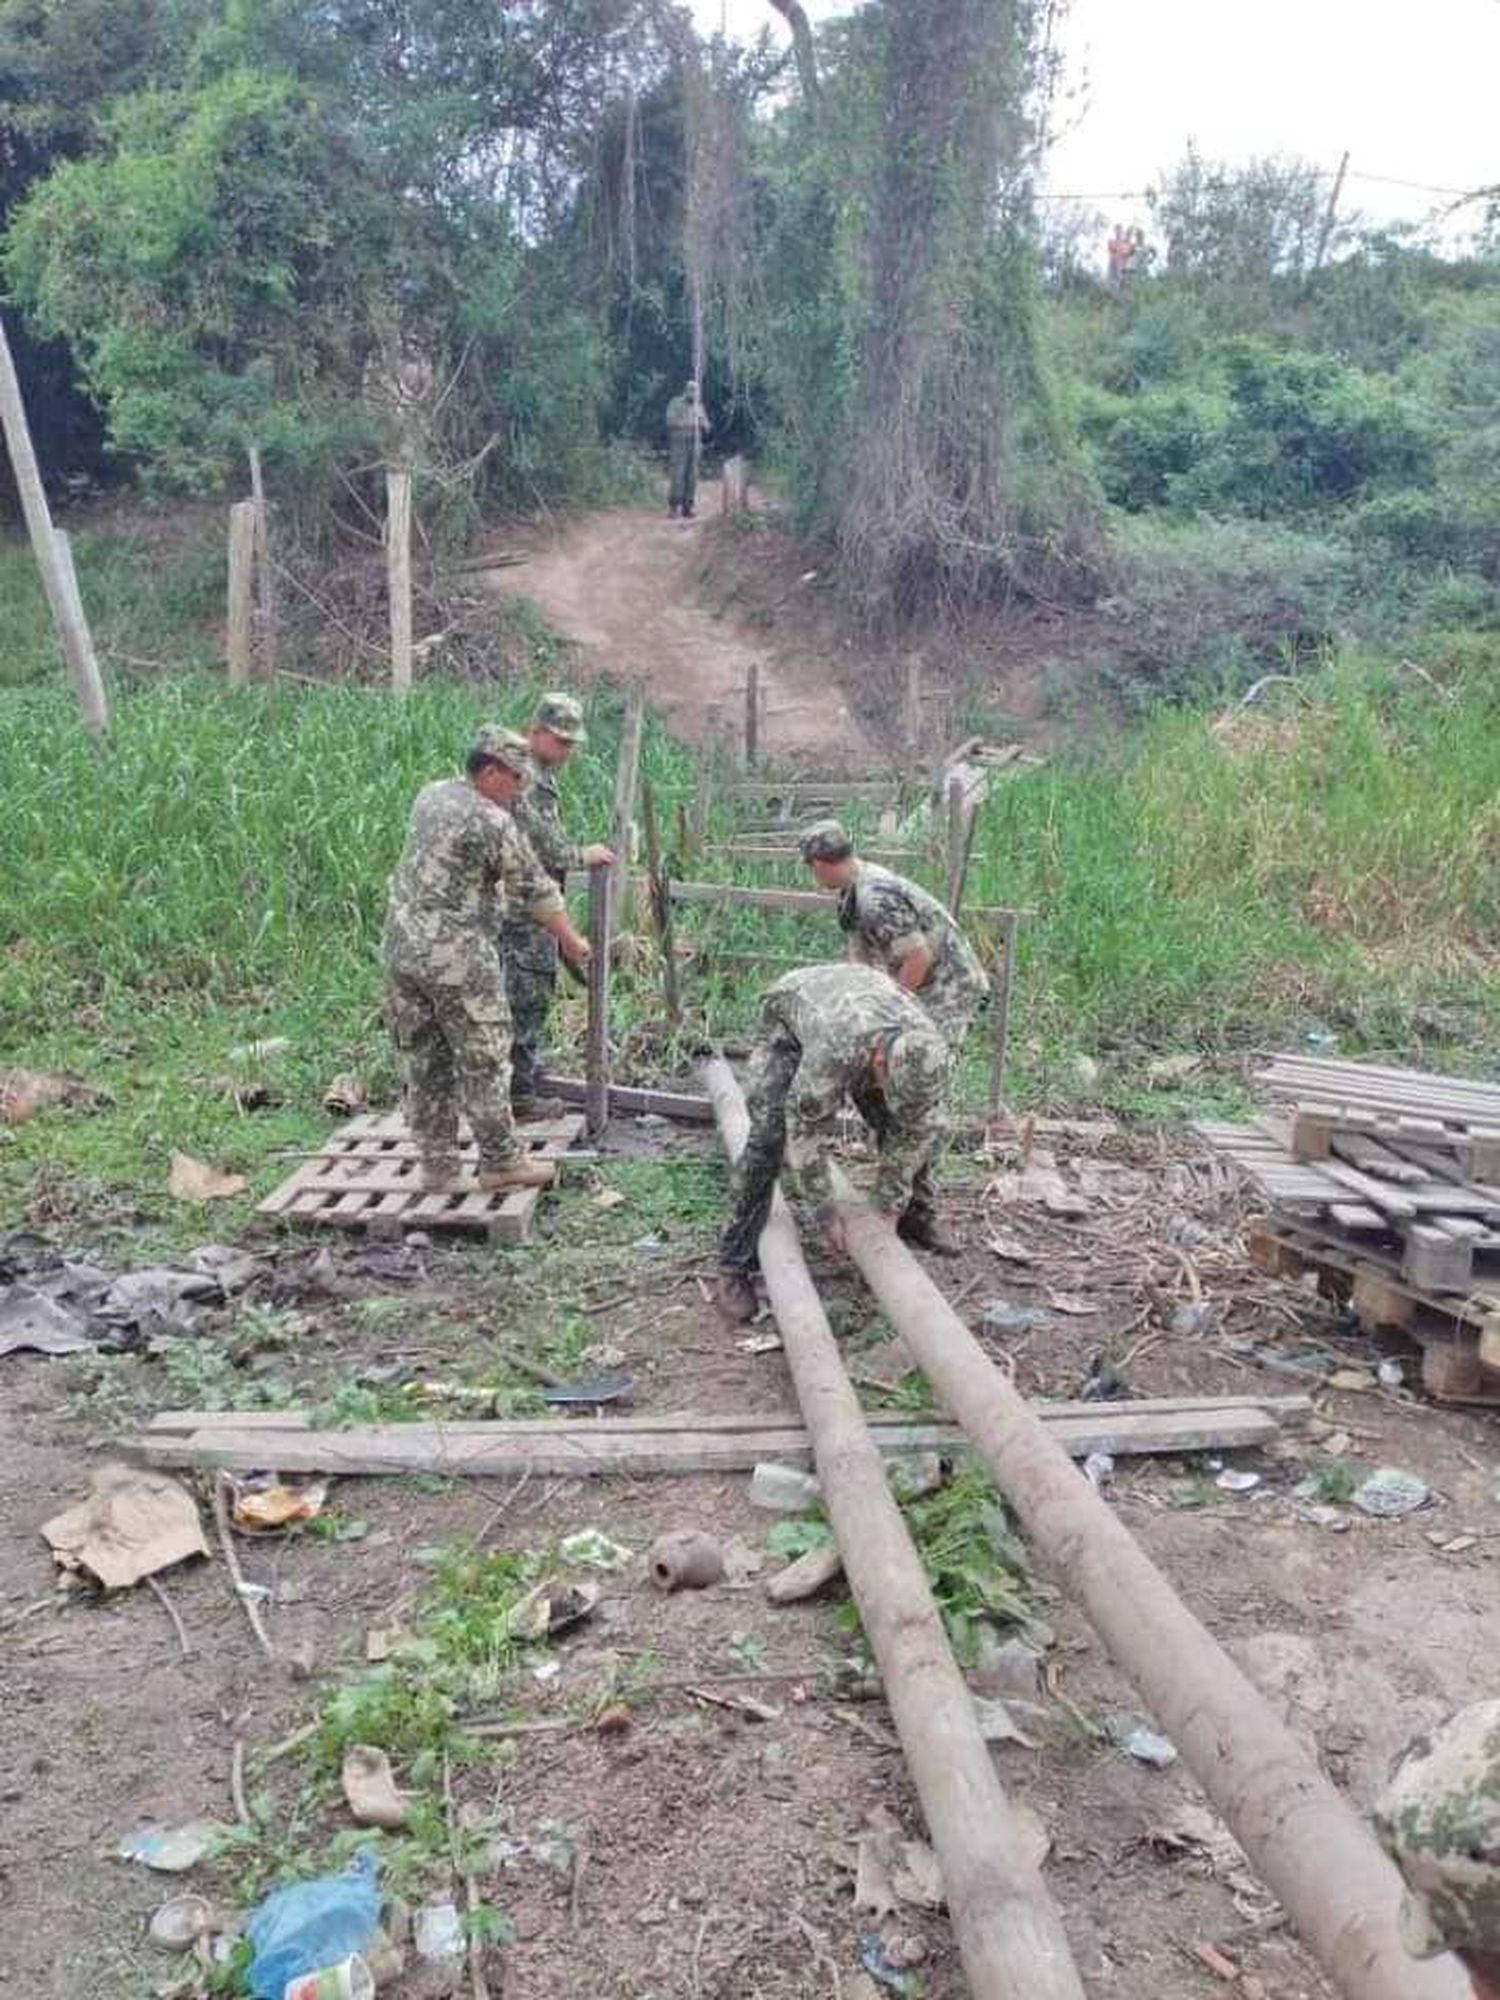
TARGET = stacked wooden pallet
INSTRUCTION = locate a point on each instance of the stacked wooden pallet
(1389, 1179)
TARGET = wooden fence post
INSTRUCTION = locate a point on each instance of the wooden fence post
(734, 489)
(596, 1050)
(55, 563)
(398, 572)
(911, 706)
(661, 905)
(238, 633)
(1005, 980)
(627, 773)
(752, 716)
(265, 582)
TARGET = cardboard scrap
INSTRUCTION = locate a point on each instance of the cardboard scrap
(29, 1319)
(132, 1525)
(196, 1180)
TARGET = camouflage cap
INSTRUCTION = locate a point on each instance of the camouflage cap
(826, 840)
(916, 1064)
(1439, 1820)
(505, 747)
(563, 716)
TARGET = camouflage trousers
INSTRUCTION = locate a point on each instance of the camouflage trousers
(454, 1045)
(952, 1014)
(682, 473)
(530, 957)
(752, 1181)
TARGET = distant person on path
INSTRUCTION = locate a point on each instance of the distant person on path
(831, 1032)
(445, 986)
(900, 927)
(1439, 1820)
(528, 948)
(687, 426)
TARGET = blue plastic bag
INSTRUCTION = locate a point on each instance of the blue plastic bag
(313, 1924)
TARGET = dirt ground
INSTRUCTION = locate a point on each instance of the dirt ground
(705, 1853)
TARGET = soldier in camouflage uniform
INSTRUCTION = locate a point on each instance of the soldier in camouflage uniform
(1439, 1820)
(831, 1032)
(528, 950)
(687, 425)
(445, 989)
(898, 926)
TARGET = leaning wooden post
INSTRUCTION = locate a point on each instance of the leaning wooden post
(596, 1041)
(661, 906)
(958, 880)
(238, 628)
(1307, 1844)
(265, 582)
(955, 843)
(627, 773)
(752, 716)
(55, 564)
(1000, 1038)
(1007, 1928)
(398, 571)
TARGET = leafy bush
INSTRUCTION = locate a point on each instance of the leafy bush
(1144, 445)
(1433, 528)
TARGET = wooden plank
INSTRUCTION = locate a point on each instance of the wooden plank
(1408, 1093)
(1354, 1215)
(1370, 1157)
(504, 1451)
(1434, 1261)
(628, 1098)
(398, 572)
(754, 899)
(238, 625)
(1376, 1193)
(596, 1053)
(622, 819)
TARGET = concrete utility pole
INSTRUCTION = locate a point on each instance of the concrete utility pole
(52, 558)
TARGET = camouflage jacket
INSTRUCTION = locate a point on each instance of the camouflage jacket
(687, 419)
(1439, 1820)
(836, 1014)
(463, 858)
(886, 917)
(538, 813)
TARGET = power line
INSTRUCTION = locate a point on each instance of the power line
(1354, 174)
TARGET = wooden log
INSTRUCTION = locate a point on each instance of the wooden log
(622, 818)
(265, 582)
(52, 560)
(1305, 1841)
(596, 1049)
(661, 908)
(238, 622)
(1008, 1932)
(635, 1102)
(398, 572)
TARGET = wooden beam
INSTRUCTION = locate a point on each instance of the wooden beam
(1009, 1934)
(265, 581)
(239, 639)
(398, 572)
(53, 561)
(752, 899)
(1305, 1841)
(596, 1052)
(632, 1100)
(622, 818)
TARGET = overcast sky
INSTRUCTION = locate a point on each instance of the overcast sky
(1412, 93)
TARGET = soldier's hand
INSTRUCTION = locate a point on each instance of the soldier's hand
(599, 856)
(576, 949)
(890, 1217)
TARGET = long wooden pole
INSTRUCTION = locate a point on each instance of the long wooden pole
(596, 1041)
(661, 906)
(62, 598)
(752, 716)
(1004, 982)
(398, 572)
(1305, 1841)
(627, 773)
(265, 581)
(238, 626)
(1008, 1930)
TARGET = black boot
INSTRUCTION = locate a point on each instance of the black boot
(925, 1232)
(736, 1298)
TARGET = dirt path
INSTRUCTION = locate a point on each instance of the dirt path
(624, 584)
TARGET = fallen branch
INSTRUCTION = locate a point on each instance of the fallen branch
(237, 1575)
(170, 1608)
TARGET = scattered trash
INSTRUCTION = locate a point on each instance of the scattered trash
(551, 1608)
(1460, 1545)
(609, 1387)
(172, 1850)
(312, 1926)
(805, 1577)
(1389, 1493)
(1148, 1748)
(1390, 1374)
(132, 1525)
(258, 1052)
(549, 1670)
(1233, 1481)
(997, 1724)
(1084, 1073)
(1324, 1516)
(1167, 1070)
(998, 1317)
(195, 1180)
(648, 1246)
(760, 1343)
(178, 1925)
(686, 1559)
(783, 1489)
(743, 1562)
(370, 1787)
(350, 1979)
(872, 1957)
(591, 1548)
(230, 1269)
(860, 1986)
(25, 1092)
(1010, 1250)
(1358, 1381)
(1007, 1666)
(344, 1096)
(1071, 1306)
(904, 1949)
(609, 1198)
(381, 1641)
(1297, 1361)
(1104, 1383)
(31, 1320)
(263, 1505)
(1097, 1469)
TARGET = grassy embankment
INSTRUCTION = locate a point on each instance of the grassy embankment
(215, 876)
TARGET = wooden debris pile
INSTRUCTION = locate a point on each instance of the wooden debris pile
(1387, 1182)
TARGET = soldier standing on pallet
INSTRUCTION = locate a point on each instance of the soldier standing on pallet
(831, 1032)
(445, 987)
(687, 426)
(1439, 1820)
(528, 949)
(898, 926)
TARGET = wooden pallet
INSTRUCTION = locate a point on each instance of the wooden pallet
(1459, 1338)
(366, 1178)
(1448, 1232)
